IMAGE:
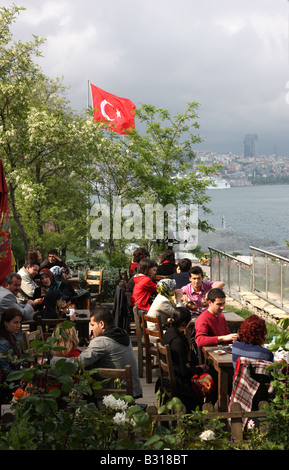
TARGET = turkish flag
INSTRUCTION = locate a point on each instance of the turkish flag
(116, 112)
(5, 233)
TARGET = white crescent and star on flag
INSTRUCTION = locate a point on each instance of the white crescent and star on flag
(103, 104)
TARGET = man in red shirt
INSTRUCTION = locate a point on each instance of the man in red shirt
(211, 326)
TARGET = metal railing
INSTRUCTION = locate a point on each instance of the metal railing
(235, 273)
(270, 275)
(266, 276)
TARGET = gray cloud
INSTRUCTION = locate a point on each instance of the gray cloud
(230, 56)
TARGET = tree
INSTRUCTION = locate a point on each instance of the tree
(165, 161)
(157, 167)
(43, 147)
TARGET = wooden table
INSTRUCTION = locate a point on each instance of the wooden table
(81, 321)
(223, 364)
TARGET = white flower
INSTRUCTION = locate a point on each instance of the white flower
(250, 424)
(115, 404)
(120, 419)
(207, 435)
(109, 401)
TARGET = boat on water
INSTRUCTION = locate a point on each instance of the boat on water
(218, 184)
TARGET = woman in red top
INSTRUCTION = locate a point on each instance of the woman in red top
(144, 285)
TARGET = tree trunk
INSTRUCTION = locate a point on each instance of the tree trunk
(17, 219)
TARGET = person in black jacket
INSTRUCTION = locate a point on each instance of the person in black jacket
(184, 359)
(167, 265)
(182, 276)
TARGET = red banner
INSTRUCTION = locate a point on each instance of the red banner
(5, 231)
(116, 112)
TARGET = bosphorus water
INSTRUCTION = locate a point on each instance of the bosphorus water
(260, 210)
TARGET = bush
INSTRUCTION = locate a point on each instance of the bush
(54, 409)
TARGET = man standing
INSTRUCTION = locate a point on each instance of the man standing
(211, 326)
(196, 291)
(28, 285)
(110, 347)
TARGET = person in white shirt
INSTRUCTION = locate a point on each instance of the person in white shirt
(28, 285)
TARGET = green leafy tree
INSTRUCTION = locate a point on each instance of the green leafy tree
(43, 148)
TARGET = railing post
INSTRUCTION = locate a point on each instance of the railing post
(266, 275)
(281, 282)
(229, 283)
(236, 423)
(253, 271)
(239, 276)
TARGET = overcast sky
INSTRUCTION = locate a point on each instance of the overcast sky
(232, 56)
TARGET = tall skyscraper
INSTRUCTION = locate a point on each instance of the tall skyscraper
(250, 145)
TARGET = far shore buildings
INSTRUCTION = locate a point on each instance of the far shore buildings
(250, 145)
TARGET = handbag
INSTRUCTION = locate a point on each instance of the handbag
(202, 384)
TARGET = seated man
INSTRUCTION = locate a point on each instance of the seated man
(196, 291)
(211, 326)
(28, 285)
(8, 299)
(110, 347)
(182, 276)
(52, 260)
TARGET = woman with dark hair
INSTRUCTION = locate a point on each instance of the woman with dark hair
(10, 324)
(184, 360)
(35, 256)
(55, 301)
(251, 337)
(138, 255)
(144, 285)
(48, 283)
(167, 265)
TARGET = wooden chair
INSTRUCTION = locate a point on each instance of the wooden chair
(48, 325)
(93, 280)
(150, 346)
(140, 341)
(125, 375)
(29, 336)
(166, 369)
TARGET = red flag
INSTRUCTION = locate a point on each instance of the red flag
(116, 112)
(5, 233)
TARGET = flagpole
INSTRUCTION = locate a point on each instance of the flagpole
(88, 237)
(88, 94)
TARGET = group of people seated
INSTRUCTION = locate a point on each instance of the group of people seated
(184, 293)
(181, 294)
(110, 346)
(39, 289)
